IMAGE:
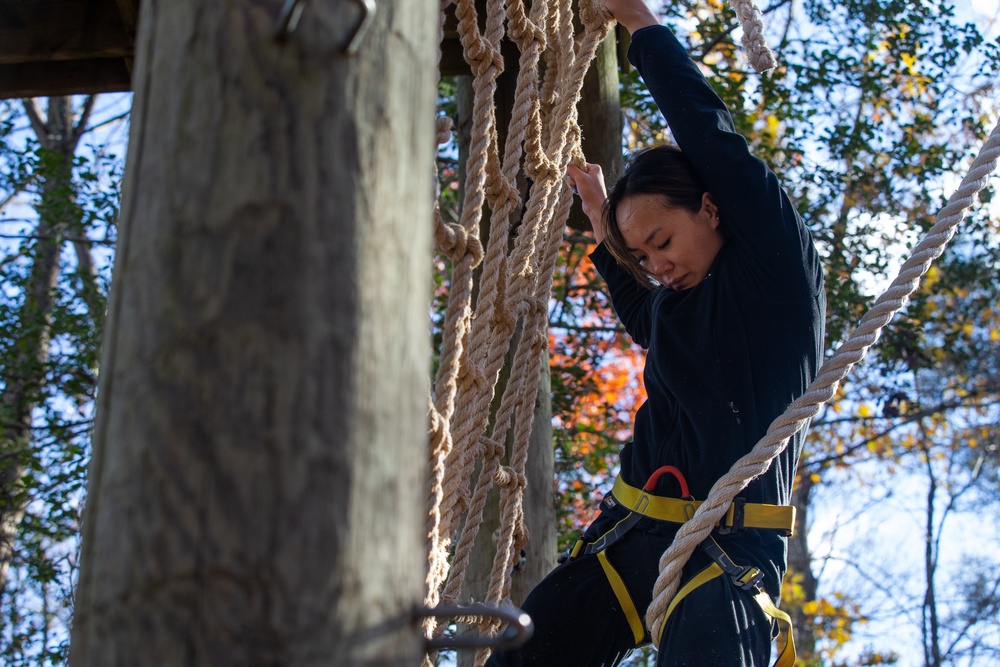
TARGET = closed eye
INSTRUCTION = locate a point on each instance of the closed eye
(663, 245)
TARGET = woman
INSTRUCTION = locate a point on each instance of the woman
(711, 269)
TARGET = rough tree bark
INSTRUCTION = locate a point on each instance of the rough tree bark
(800, 566)
(58, 133)
(257, 484)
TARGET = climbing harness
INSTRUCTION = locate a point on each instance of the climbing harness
(740, 516)
(642, 502)
(744, 577)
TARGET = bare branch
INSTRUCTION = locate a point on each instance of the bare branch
(10, 258)
(81, 125)
(964, 401)
(108, 121)
(18, 189)
(38, 124)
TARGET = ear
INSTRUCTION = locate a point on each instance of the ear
(710, 210)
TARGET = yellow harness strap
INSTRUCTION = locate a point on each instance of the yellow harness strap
(787, 656)
(624, 599)
(740, 515)
(677, 510)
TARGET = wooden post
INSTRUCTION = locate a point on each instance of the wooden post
(258, 479)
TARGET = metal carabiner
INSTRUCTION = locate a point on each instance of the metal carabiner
(519, 627)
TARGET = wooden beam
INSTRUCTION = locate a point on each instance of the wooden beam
(129, 11)
(46, 30)
(65, 77)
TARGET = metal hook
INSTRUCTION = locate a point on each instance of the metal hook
(288, 19)
(291, 12)
(519, 627)
(367, 16)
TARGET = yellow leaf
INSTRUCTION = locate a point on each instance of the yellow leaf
(932, 276)
(772, 125)
(814, 478)
(994, 335)
(864, 411)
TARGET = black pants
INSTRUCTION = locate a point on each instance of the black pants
(579, 621)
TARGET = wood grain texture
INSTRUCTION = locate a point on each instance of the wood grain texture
(66, 47)
(257, 486)
(45, 30)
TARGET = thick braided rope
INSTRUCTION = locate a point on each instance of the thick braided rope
(482, 52)
(823, 387)
(519, 397)
(523, 272)
(512, 287)
(760, 55)
(494, 326)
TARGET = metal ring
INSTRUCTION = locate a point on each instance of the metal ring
(519, 627)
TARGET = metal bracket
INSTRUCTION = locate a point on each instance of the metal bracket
(291, 12)
(288, 19)
(519, 627)
(367, 16)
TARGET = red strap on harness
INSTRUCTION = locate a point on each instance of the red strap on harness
(678, 475)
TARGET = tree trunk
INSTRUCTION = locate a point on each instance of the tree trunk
(800, 569)
(26, 375)
(257, 485)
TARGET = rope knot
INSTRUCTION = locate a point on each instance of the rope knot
(522, 30)
(594, 15)
(485, 60)
(509, 479)
(490, 448)
(442, 129)
(455, 241)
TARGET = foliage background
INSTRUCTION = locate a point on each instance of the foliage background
(870, 119)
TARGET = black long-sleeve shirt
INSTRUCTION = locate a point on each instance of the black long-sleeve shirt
(725, 357)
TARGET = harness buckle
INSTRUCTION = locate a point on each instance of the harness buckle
(738, 515)
(749, 578)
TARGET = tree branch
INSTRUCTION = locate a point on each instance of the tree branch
(817, 464)
(18, 189)
(81, 125)
(38, 124)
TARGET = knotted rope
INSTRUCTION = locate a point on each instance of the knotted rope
(760, 55)
(516, 277)
(823, 388)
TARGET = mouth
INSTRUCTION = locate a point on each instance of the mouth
(675, 284)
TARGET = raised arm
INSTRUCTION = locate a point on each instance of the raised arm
(755, 210)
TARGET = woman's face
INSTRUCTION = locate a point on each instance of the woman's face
(674, 246)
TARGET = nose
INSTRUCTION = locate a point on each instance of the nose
(660, 266)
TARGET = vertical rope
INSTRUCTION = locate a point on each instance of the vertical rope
(516, 276)
(758, 52)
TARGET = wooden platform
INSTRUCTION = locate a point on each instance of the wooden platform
(66, 47)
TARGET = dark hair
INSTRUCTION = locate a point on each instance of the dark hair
(661, 170)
